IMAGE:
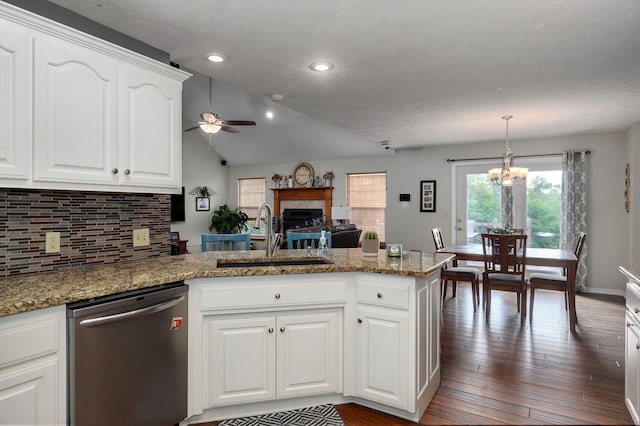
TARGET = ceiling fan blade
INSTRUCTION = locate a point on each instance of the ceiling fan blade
(229, 129)
(239, 122)
(192, 128)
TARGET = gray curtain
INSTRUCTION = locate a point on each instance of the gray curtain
(507, 207)
(574, 208)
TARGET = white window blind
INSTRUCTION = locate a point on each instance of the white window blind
(251, 195)
(367, 198)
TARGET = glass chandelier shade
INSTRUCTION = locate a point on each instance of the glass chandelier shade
(507, 175)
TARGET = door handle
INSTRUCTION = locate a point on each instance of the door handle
(94, 322)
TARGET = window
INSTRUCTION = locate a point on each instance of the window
(251, 195)
(367, 198)
(536, 203)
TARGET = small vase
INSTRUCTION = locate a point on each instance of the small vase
(370, 247)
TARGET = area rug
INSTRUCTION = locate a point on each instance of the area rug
(321, 415)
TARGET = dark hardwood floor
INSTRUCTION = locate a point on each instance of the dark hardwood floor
(498, 372)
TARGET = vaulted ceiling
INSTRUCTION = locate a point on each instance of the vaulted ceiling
(411, 72)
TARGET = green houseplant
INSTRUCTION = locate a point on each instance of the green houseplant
(370, 243)
(227, 221)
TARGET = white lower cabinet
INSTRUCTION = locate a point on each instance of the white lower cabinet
(33, 367)
(632, 351)
(268, 357)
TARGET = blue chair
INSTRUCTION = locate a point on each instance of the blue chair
(225, 242)
(302, 240)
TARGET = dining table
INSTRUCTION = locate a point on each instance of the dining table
(535, 256)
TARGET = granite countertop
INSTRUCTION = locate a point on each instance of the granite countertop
(631, 273)
(36, 291)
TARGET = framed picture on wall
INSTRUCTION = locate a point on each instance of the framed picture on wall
(427, 195)
(202, 204)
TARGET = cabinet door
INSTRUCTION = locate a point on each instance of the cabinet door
(382, 342)
(75, 115)
(309, 354)
(239, 360)
(632, 377)
(14, 106)
(150, 136)
(29, 393)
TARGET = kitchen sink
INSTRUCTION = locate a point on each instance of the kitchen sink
(262, 262)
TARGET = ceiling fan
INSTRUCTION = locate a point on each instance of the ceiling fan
(212, 123)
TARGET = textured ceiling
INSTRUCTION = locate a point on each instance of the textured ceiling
(414, 72)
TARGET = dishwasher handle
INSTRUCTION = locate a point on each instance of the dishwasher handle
(94, 322)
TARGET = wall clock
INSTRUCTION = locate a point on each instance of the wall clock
(302, 172)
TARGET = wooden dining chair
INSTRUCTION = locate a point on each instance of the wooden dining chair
(456, 273)
(557, 282)
(504, 268)
(226, 242)
(302, 240)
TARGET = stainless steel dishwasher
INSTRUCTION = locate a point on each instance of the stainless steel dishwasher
(128, 358)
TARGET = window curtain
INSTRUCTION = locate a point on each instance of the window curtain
(574, 208)
(507, 207)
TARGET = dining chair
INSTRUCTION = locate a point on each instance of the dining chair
(504, 268)
(226, 242)
(456, 273)
(302, 240)
(557, 282)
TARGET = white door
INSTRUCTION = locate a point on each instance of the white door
(382, 344)
(239, 360)
(309, 354)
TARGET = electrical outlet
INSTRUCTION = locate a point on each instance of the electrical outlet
(52, 242)
(141, 237)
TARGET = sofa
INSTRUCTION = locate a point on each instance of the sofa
(342, 236)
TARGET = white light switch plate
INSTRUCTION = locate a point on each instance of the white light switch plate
(141, 237)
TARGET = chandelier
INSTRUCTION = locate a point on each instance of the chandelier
(508, 175)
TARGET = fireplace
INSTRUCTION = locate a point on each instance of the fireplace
(301, 218)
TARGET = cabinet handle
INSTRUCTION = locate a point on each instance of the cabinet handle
(379, 295)
(270, 329)
(637, 310)
(114, 171)
(127, 171)
(629, 324)
(277, 295)
(282, 329)
(359, 320)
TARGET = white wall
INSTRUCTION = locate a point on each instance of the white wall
(608, 236)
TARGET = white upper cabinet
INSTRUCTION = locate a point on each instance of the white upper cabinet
(103, 118)
(150, 129)
(14, 105)
(75, 117)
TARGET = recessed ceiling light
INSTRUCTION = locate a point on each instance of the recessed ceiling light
(269, 114)
(321, 66)
(217, 57)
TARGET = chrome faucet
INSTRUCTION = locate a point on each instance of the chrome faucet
(272, 240)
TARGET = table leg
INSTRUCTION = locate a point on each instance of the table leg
(571, 290)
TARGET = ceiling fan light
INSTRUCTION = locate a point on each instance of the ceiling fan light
(210, 128)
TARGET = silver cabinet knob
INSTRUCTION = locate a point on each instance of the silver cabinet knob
(127, 172)
(270, 329)
(282, 329)
(638, 346)
(277, 295)
(359, 320)
(379, 295)
(114, 171)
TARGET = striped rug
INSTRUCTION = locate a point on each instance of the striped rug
(321, 415)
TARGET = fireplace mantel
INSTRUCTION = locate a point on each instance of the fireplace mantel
(300, 194)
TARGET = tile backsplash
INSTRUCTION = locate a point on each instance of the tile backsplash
(95, 228)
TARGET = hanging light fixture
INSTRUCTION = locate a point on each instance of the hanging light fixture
(209, 125)
(508, 175)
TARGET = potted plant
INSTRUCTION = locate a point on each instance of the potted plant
(227, 221)
(370, 243)
(202, 191)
